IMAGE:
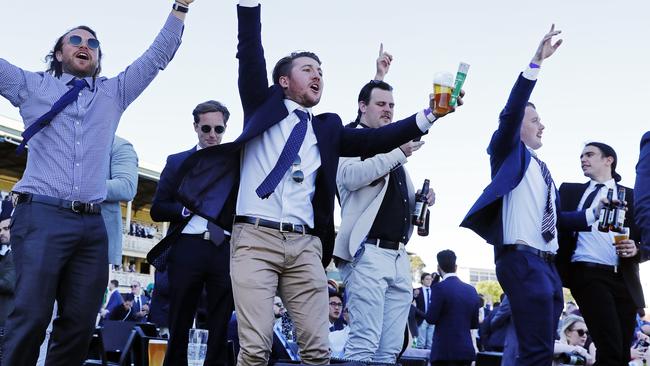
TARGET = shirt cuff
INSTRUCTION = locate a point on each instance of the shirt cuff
(423, 121)
(530, 73)
(590, 217)
(249, 3)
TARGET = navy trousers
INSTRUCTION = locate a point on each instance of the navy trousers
(195, 263)
(534, 289)
(59, 255)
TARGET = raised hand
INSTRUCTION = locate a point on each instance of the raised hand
(410, 147)
(383, 63)
(546, 47)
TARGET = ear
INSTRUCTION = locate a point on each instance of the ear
(59, 56)
(284, 81)
(610, 160)
(196, 127)
(362, 106)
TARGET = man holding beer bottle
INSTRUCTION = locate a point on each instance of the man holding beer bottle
(603, 278)
(377, 200)
(517, 213)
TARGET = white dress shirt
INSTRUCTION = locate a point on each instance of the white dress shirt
(197, 224)
(595, 246)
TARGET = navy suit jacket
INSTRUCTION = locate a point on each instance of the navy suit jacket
(211, 176)
(454, 311)
(419, 303)
(114, 301)
(571, 194)
(642, 194)
(166, 208)
(509, 159)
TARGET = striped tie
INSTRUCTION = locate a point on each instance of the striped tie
(548, 220)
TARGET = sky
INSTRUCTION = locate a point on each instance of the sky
(595, 88)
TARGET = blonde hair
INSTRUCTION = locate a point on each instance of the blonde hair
(567, 323)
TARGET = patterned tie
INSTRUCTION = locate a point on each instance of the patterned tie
(44, 120)
(287, 156)
(591, 196)
(548, 220)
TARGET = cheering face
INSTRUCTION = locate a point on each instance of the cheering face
(210, 129)
(531, 129)
(593, 163)
(379, 111)
(78, 58)
(304, 84)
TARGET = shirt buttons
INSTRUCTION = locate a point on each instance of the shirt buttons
(78, 143)
(76, 187)
(77, 164)
(78, 123)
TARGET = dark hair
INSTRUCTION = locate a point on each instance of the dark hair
(56, 67)
(115, 283)
(210, 106)
(366, 91)
(424, 274)
(129, 297)
(607, 151)
(447, 261)
(530, 104)
(283, 66)
(336, 294)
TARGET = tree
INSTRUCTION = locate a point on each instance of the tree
(417, 264)
(490, 289)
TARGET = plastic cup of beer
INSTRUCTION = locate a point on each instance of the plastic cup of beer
(157, 350)
(443, 84)
(624, 235)
(197, 347)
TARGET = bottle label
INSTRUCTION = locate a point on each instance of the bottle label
(418, 208)
(620, 219)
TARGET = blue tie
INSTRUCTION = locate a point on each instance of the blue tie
(548, 219)
(44, 120)
(287, 156)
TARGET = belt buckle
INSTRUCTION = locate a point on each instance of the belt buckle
(73, 206)
(282, 227)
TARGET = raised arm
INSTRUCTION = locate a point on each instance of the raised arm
(253, 81)
(383, 63)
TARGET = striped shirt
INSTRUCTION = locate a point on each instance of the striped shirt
(69, 159)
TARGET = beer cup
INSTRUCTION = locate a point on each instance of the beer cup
(624, 235)
(157, 349)
(443, 84)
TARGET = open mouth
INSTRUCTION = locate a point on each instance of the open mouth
(315, 87)
(83, 56)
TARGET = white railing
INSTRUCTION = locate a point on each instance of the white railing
(126, 278)
(138, 244)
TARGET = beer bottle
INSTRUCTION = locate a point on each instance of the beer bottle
(618, 213)
(419, 215)
(423, 230)
(605, 213)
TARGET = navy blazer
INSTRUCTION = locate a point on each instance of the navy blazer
(166, 208)
(114, 301)
(211, 176)
(454, 311)
(419, 303)
(509, 159)
(571, 194)
(642, 194)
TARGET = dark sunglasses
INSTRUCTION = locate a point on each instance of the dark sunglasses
(91, 42)
(134, 286)
(581, 332)
(218, 129)
(296, 174)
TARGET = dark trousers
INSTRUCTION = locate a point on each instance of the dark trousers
(451, 363)
(195, 263)
(535, 293)
(608, 310)
(63, 256)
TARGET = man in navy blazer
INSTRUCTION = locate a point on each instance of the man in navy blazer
(517, 213)
(284, 229)
(454, 312)
(642, 193)
(194, 253)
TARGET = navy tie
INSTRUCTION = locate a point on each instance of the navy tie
(591, 196)
(548, 220)
(287, 156)
(44, 120)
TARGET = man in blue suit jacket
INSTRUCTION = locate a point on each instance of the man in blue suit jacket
(454, 311)
(642, 193)
(283, 229)
(517, 213)
(195, 253)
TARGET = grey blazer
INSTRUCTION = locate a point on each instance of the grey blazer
(122, 185)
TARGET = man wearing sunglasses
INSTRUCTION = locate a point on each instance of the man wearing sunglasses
(61, 247)
(197, 251)
(283, 230)
(377, 198)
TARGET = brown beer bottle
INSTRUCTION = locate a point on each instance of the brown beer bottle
(420, 212)
(423, 230)
(618, 213)
(605, 213)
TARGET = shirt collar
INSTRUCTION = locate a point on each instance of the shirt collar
(611, 184)
(447, 275)
(4, 249)
(66, 78)
(292, 106)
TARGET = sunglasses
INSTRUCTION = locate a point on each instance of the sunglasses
(581, 332)
(296, 173)
(336, 304)
(218, 129)
(77, 40)
(134, 286)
